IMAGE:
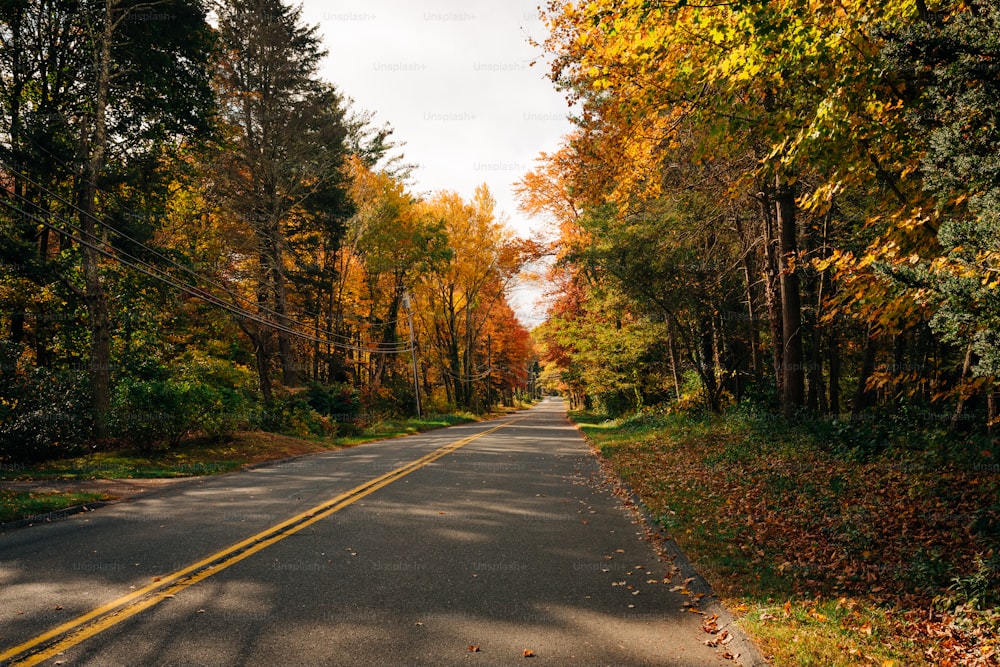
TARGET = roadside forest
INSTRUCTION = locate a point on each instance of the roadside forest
(198, 234)
(778, 281)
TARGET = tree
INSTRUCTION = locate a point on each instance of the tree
(395, 240)
(281, 170)
(134, 88)
(951, 61)
(792, 102)
(458, 298)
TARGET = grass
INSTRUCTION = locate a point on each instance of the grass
(394, 428)
(195, 457)
(15, 505)
(206, 457)
(829, 560)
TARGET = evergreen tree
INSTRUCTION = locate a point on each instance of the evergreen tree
(281, 172)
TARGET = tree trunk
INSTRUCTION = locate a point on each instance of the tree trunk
(262, 356)
(992, 404)
(289, 369)
(960, 405)
(388, 334)
(95, 149)
(752, 316)
(707, 366)
(672, 344)
(863, 397)
(793, 389)
(816, 397)
(469, 358)
(833, 351)
(752, 319)
(812, 293)
(772, 294)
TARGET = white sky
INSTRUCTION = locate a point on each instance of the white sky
(454, 80)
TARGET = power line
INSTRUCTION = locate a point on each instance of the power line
(153, 251)
(197, 292)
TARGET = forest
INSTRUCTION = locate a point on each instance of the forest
(199, 234)
(776, 304)
(795, 202)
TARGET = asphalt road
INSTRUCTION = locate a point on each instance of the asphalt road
(510, 542)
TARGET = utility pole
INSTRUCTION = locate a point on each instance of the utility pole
(413, 352)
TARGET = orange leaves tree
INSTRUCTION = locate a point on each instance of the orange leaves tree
(473, 342)
(280, 173)
(391, 241)
(775, 142)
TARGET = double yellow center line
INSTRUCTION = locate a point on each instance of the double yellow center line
(78, 630)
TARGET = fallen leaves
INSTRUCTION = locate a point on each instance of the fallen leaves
(720, 639)
(797, 524)
(711, 624)
(815, 615)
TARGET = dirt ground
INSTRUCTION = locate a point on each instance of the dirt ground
(118, 489)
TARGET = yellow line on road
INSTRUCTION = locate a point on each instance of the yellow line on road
(41, 648)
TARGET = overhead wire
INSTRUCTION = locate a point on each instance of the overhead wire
(105, 224)
(156, 273)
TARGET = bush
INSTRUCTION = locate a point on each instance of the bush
(200, 395)
(980, 588)
(390, 400)
(154, 413)
(291, 414)
(232, 396)
(44, 414)
(616, 403)
(340, 402)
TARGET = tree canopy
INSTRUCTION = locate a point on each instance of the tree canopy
(798, 195)
(199, 233)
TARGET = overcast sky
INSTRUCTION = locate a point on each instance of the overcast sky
(454, 78)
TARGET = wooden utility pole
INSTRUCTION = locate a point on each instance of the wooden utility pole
(489, 372)
(413, 352)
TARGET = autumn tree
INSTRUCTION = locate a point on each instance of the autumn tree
(789, 116)
(459, 297)
(281, 170)
(391, 241)
(97, 91)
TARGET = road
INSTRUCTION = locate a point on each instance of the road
(464, 546)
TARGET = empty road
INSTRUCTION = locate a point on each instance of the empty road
(479, 544)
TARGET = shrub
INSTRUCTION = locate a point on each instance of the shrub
(232, 394)
(291, 414)
(341, 402)
(153, 413)
(44, 414)
(980, 588)
(390, 400)
(201, 394)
